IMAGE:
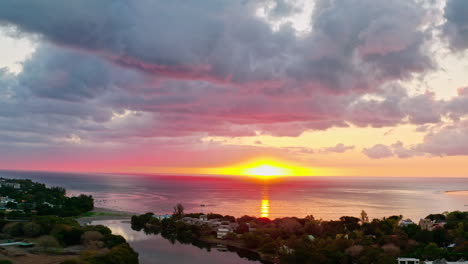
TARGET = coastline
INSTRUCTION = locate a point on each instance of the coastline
(99, 213)
(235, 244)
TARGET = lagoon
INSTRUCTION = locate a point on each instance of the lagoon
(154, 249)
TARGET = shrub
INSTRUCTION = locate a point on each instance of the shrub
(121, 254)
(113, 240)
(100, 228)
(48, 242)
(90, 236)
(230, 236)
(31, 229)
(73, 261)
(268, 248)
(13, 229)
(251, 240)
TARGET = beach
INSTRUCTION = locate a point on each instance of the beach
(98, 214)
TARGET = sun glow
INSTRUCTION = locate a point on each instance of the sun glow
(267, 170)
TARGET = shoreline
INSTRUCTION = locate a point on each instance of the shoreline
(235, 244)
(99, 213)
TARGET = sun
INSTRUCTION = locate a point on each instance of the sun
(267, 170)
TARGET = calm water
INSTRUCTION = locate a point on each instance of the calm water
(154, 249)
(323, 197)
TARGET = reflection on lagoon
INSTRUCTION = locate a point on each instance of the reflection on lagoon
(155, 249)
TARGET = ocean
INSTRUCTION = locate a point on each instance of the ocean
(323, 197)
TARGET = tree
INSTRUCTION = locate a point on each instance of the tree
(178, 211)
(11, 205)
(351, 223)
(268, 248)
(242, 228)
(364, 217)
(251, 240)
(432, 251)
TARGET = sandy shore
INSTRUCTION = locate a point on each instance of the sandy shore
(104, 214)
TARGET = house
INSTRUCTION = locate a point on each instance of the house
(408, 261)
(5, 199)
(203, 218)
(10, 184)
(406, 222)
(438, 261)
(161, 217)
(443, 261)
(49, 204)
(223, 230)
(428, 224)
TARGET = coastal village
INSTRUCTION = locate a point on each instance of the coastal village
(223, 228)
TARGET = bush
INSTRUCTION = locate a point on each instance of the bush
(70, 237)
(100, 228)
(251, 240)
(113, 240)
(73, 261)
(230, 236)
(47, 242)
(122, 254)
(268, 248)
(89, 237)
(31, 229)
(13, 229)
(4, 261)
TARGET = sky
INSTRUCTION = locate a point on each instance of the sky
(318, 88)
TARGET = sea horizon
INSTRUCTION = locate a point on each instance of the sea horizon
(326, 197)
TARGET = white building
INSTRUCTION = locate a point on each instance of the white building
(443, 261)
(10, 184)
(161, 217)
(406, 222)
(203, 217)
(439, 261)
(223, 231)
(6, 199)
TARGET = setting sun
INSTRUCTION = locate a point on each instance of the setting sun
(267, 170)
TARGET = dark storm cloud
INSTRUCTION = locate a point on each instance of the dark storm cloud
(223, 41)
(456, 26)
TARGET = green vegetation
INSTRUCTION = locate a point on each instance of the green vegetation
(46, 217)
(309, 240)
(29, 198)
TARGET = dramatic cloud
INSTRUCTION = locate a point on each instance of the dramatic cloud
(450, 140)
(447, 140)
(456, 26)
(120, 73)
